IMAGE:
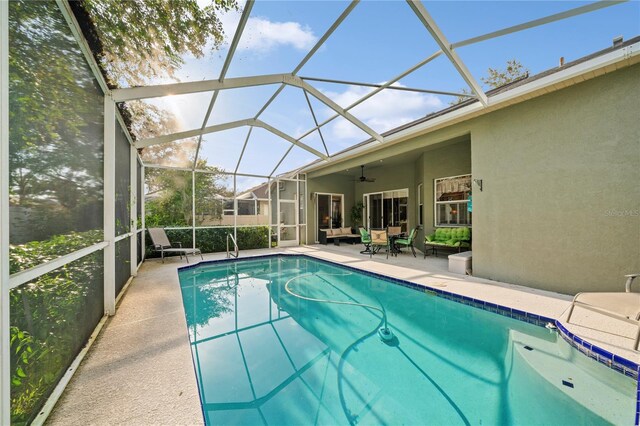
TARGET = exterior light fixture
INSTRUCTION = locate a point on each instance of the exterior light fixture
(478, 182)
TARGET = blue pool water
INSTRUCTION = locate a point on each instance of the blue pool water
(265, 356)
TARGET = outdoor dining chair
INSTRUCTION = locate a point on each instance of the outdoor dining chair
(379, 239)
(365, 239)
(407, 242)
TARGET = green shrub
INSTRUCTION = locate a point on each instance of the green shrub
(214, 240)
(52, 317)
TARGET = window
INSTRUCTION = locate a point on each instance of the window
(420, 206)
(452, 201)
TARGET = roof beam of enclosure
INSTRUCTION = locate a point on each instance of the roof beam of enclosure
(283, 135)
(439, 37)
(145, 92)
(541, 21)
(389, 87)
(313, 50)
(315, 120)
(337, 108)
(243, 148)
(376, 91)
(225, 67)
(192, 133)
(188, 169)
(226, 126)
(280, 162)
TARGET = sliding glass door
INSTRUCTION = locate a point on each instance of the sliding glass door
(388, 208)
(329, 211)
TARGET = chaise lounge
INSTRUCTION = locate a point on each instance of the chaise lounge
(162, 244)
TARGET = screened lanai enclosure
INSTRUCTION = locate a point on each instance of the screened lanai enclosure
(96, 148)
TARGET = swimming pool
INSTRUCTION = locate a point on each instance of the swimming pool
(267, 351)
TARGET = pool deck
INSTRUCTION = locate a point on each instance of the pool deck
(139, 370)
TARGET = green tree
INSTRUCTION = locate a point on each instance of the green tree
(513, 71)
(169, 200)
(148, 39)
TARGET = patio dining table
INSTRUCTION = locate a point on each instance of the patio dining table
(392, 242)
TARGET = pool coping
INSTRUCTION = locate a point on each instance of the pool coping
(615, 362)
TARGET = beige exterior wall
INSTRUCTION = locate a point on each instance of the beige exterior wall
(560, 209)
(555, 171)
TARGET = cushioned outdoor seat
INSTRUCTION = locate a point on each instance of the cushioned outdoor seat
(336, 235)
(458, 238)
(407, 242)
(365, 239)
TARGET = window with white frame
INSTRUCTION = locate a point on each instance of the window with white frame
(452, 201)
(420, 205)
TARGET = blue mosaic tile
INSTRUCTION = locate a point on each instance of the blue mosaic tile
(599, 351)
(623, 361)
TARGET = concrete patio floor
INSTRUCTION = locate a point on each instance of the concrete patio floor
(140, 370)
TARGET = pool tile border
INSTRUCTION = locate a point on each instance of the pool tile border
(615, 362)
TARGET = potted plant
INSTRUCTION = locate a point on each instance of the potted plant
(356, 216)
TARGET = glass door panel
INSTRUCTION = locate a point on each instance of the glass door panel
(288, 223)
(323, 215)
(336, 211)
(375, 211)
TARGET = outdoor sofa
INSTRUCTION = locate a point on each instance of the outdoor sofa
(336, 235)
(457, 239)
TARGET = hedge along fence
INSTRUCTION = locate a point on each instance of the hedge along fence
(213, 240)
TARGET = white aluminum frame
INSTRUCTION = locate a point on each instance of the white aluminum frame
(109, 200)
(292, 79)
(225, 67)
(5, 365)
(133, 210)
(441, 39)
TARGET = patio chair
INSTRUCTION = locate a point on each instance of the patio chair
(379, 239)
(407, 242)
(365, 239)
(623, 306)
(394, 230)
(162, 244)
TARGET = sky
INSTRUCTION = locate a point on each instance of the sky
(376, 42)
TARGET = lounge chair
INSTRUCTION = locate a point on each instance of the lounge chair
(379, 239)
(407, 242)
(365, 239)
(621, 306)
(162, 244)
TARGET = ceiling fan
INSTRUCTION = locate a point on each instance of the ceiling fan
(362, 177)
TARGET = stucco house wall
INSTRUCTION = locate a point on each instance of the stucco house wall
(560, 206)
(560, 209)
